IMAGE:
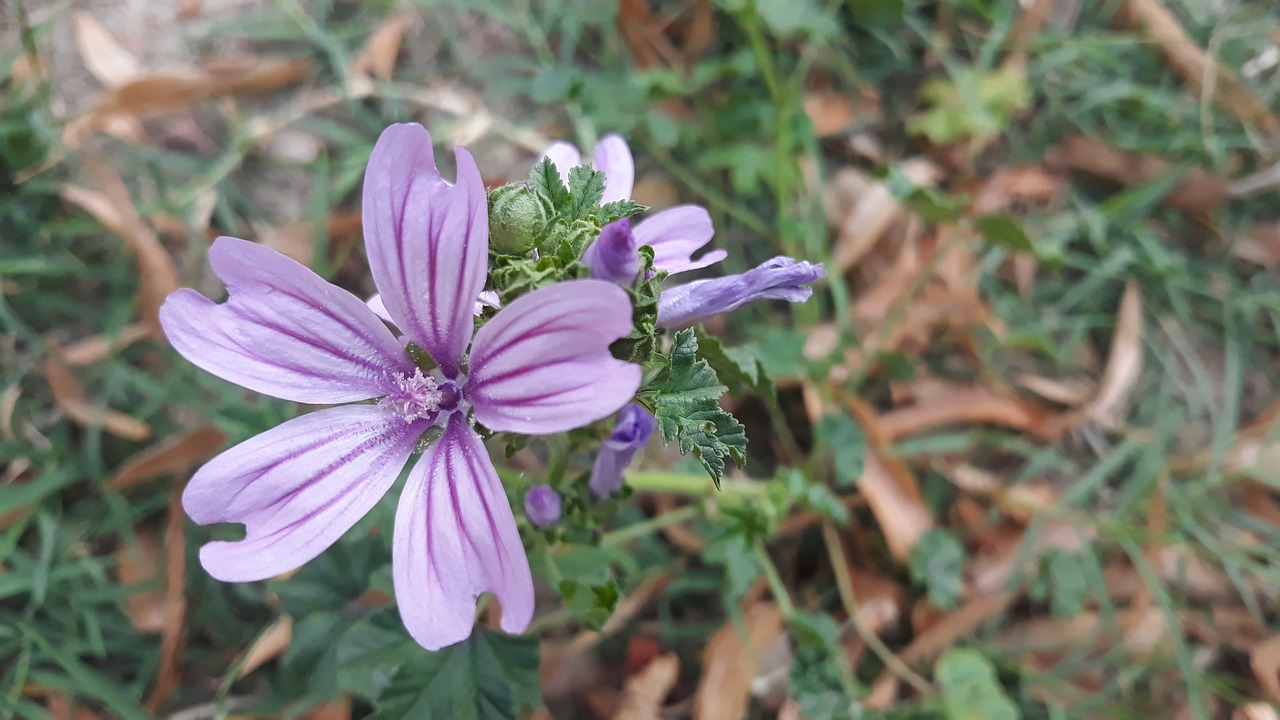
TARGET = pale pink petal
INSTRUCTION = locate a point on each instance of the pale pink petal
(283, 331)
(613, 158)
(376, 305)
(542, 364)
(565, 156)
(428, 241)
(298, 487)
(675, 235)
(456, 538)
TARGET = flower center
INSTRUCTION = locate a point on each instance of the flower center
(417, 396)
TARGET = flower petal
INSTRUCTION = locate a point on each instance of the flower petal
(297, 487)
(283, 331)
(675, 235)
(542, 364)
(456, 538)
(781, 278)
(613, 158)
(428, 241)
(565, 156)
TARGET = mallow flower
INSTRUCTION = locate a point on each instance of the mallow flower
(675, 234)
(631, 430)
(540, 365)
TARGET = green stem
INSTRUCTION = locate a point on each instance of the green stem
(776, 586)
(652, 525)
(695, 485)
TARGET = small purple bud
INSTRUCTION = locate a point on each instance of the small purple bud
(542, 505)
(631, 431)
(613, 255)
(778, 279)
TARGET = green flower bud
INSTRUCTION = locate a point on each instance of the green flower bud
(516, 219)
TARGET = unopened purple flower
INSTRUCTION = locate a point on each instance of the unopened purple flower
(542, 505)
(778, 279)
(631, 431)
(613, 255)
(541, 365)
(674, 234)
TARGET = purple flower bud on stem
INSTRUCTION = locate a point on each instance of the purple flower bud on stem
(542, 505)
(613, 255)
(630, 432)
(781, 278)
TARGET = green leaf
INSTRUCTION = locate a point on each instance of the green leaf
(1002, 230)
(488, 676)
(545, 181)
(684, 395)
(1067, 585)
(848, 446)
(970, 688)
(618, 209)
(815, 675)
(737, 368)
(937, 562)
(586, 189)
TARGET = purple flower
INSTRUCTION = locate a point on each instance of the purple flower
(541, 365)
(631, 431)
(542, 505)
(613, 255)
(778, 279)
(674, 234)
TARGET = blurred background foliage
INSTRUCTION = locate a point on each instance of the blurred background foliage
(1016, 459)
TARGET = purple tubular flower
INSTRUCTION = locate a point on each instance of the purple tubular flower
(631, 431)
(778, 279)
(613, 255)
(541, 365)
(674, 234)
(542, 505)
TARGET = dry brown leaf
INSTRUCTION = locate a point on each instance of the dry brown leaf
(270, 645)
(969, 404)
(930, 644)
(1124, 363)
(173, 636)
(1198, 191)
(171, 456)
(108, 62)
(96, 348)
(1255, 711)
(643, 696)
(1197, 68)
(829, 111)
(379, 57)
(1265, 661)
(296, 239)
(333, 710)
(137, 563)
(1064, 391)
(68, 393)
(1016, 183)
(61, 707)
(731, 660)
(8, 403)
(902, 518)
(112, 206)
(1261, 245)
(873, 211)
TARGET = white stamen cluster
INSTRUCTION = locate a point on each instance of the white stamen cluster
(415, 397)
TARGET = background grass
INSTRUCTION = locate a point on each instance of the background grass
(1144, 581)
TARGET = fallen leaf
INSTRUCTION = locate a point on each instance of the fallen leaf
(61, 707)
(96, 348)
(138, 562)
(643, 696)
(731, 661)
(1261, 245)
(829, 111)
(1016, 183)
(173, 636)
(1124, 363)
(1255, 711)
(1198, 191)
(68, 393)
(296, 239)
(171, 456)
(8, 403)
(112, 206)
(270, 645)
(379, 56)
(332, 710)
(108, 62)
(930, 644)
(969, 405)
(1265, 661)
(872, 212)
